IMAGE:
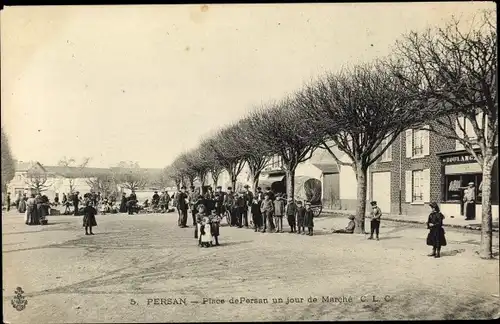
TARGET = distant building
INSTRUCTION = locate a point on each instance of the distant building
(56, 180)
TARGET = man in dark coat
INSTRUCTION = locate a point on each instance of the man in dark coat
(231, 206)
(155, 200)
(182, 206)
(123, 204)
(8, 201)
(132, 201)
(248, 198)
(219, 201)
(76, 201)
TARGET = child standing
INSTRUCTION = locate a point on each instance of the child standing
(309, 219)
(89, 221)
(215, 224)
(301, 214)
(256, 214)
(291, 211)
(279, 210)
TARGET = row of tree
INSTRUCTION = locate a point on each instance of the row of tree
(445, 77)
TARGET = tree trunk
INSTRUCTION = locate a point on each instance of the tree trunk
(485, 251)
(361, 174)
(233, 183)
(255, 183)
(290, 183)
(215, 179)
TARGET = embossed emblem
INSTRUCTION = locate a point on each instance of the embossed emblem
(19, 302)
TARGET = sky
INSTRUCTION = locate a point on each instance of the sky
(147, 83)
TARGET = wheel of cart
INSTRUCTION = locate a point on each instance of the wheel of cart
(317, 209)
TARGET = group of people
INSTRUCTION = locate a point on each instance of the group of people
(36, 207)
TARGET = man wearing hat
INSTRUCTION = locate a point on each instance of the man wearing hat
(349, 228)
(248, 198)
(375, 215)
(219, 201)
(470, 202)
(291, 211)
(182, 206)
(193, 200)
(259, 194)
(155, 199)
(231, 206)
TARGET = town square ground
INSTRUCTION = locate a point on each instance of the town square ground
(143, 268)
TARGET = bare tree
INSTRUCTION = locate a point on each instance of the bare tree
(186, 164)
(357, 109)
(282, 130)
(255, 154)
(454, 73)
(37, 180)
(174, 175)
(226, 152)
(72, 170)
(213, 165)
(199, 165)
(130, 175)
(103, 183)
(7, 164)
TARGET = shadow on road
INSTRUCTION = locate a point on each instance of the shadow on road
(233, 243)
(447, 253)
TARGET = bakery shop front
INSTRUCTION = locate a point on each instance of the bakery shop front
(458, 170)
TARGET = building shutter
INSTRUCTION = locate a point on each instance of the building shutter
(425, 139)
(426, 175)
(458, 131)
(408, 186)
(409, 143)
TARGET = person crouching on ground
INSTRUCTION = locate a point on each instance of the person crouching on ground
(376, 213)
(301, 215)
(215, 225)
(89, 221)
(256, 214)
(349, 228)
(291, 211)
(436, 237)
(267, 209)
(309, 219)
(279, 210)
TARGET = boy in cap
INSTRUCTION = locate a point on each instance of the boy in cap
(291, 211)
(301, 215)
(349, 228)
(279, 210)
(309, 219)
(375, 215)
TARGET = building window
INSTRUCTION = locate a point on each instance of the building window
(387, 155)
(418, 186)
(418, 143)
(455, 185)
(276, 162)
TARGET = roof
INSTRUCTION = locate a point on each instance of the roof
(327, 168)
(26, 166)
(75, 171)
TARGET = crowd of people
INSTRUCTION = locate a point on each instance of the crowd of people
(207, 209)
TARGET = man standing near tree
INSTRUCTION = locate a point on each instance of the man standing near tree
(248, 197)
(182, 207)
(470, 202)
(76, 201)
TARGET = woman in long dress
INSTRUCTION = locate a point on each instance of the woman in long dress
(436, 237)
(22, 204)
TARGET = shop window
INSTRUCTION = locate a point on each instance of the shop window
(455, 185)
(418, 186)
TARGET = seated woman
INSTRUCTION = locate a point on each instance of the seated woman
(349, 228)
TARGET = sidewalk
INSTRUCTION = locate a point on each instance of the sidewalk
(418, 219)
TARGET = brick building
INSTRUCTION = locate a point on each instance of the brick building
(420, 167)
